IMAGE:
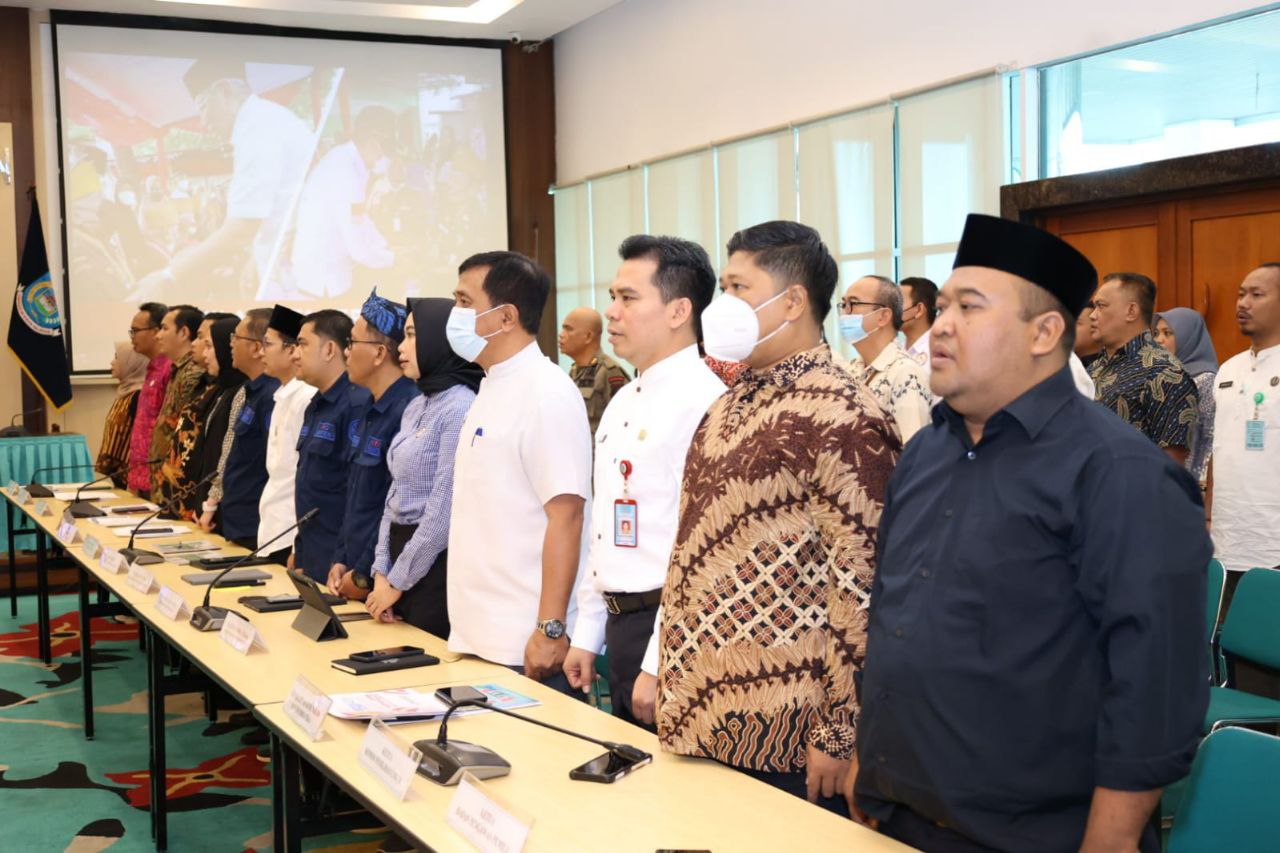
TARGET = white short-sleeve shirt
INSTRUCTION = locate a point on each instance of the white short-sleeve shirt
(1246, 483)
(525, 441)
(276, 510)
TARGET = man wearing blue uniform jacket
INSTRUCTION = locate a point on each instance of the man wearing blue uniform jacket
(1035, 673)
(322, 444)
(373, 362)
(246, 471)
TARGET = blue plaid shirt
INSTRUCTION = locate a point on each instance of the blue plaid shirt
(421, 462)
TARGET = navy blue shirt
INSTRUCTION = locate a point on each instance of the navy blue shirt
(368, 478)
(322, 472)
(246, 471)
(1036, 623)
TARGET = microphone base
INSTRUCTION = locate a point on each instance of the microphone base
(209, 618)
(14, 432)
(445, 763)
(84, 509)
(38, 491)
(142, 558)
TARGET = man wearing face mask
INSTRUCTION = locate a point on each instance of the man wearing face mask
(373, 362)
(870, 318)
(764, 609)
(334, 233)
(522, 475)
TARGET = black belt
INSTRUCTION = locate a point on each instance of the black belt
(619, 603)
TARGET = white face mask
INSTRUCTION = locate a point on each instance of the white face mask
(731, 329)
(853, 327)
(461, 332)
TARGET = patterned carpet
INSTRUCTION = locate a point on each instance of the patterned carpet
(62, 792)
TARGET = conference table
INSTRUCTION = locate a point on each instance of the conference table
(675, 803)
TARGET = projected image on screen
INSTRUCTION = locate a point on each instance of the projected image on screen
(229, 171)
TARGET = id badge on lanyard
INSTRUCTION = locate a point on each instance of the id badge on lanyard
(1255, 429)
(626, 522)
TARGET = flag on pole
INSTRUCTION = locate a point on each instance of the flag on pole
(35, 328)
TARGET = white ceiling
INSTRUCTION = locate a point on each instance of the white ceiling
(531, 20)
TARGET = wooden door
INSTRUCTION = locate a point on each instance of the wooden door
(1220, 239)
(1131, 238)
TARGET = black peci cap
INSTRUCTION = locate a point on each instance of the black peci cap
(1030, 253)
(286, 321)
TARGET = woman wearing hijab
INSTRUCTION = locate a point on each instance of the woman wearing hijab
(130, 369)
(410, 559)
(222, 410)
(1182, 332)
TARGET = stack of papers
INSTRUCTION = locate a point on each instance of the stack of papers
(104, 486)
(86, 495)
(412, 706)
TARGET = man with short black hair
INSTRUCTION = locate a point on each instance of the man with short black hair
(919, 308)
(1040, 582)
(373, 363)
(234, 497)
(597, 375)
(1135, 377)
(175, 337)
(656, 296)
(323, 466)
(143, 334)
(276, 504)
(764, 608)
(523, 467)
(870, 318)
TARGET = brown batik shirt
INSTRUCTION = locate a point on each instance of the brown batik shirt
(764, 613)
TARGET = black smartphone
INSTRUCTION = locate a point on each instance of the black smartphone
(609, 767)
(384, 654)
(452, 695)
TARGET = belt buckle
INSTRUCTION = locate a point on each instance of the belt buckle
(611, 604)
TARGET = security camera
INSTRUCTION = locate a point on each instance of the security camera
(514, 38)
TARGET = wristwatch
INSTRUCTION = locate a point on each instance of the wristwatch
(552, 629)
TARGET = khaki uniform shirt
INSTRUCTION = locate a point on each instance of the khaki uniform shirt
(598, 382)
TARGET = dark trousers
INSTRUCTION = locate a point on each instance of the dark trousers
(281, 556)
(923, 834)
(424, 605)
(626, 636)
(794, 783)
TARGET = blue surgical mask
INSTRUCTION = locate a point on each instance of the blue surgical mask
(460, 330)
(853, 327)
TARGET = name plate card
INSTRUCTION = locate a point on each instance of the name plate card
(23, 496)
(42, 508)
(112, 560)
(484, 821)
(67, 532)
(171, 605)
(92, 547)
(306, 706)
(390, 761)
(141, 579)
(12, 489)
(240, 635)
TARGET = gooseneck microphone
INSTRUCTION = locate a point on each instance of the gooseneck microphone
(444, 761)
(209, 618)
(85, 509)
(142, 557)
(37, 490)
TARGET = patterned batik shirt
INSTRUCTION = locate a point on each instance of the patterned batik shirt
(188, 383)
(1145, 384)
(765, 606)
(900, 385)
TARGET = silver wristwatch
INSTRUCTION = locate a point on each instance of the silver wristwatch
(552, 629)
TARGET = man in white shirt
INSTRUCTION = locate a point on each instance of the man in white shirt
(334, 233)
(1246, 435)
(276, 509)
(919, 308)
(659, 293)
(522, 475)
(271, 151)
(870, 317)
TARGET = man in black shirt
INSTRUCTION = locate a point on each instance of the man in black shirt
(1035, 670)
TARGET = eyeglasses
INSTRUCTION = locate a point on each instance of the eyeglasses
(371, 343)
(250, 340)
(135, 332)
(266, 344)
(847, 305)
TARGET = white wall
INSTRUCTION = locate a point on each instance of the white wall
(650, 77)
